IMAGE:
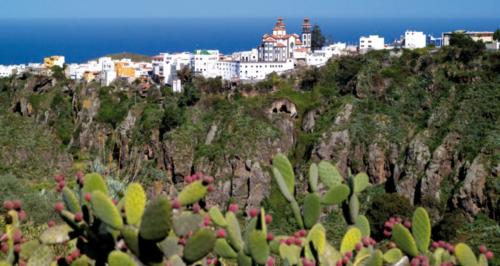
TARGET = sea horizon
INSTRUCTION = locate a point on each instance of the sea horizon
(83, 39)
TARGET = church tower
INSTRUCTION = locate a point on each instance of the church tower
(306, 34)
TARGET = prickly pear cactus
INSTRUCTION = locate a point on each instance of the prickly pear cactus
(157, 220)
(284, 166)
(199, 245)
(118, 258)
(134, 203)
(106, 210)
(404, 240)
(329, 174)
(192, 193)
(421, 229)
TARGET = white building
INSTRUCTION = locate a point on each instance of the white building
(165, 66)
(320, 57)
(372, 42)
(204, 63)
(414, 40)
(246, 56)
(260, 70)
(228, 69)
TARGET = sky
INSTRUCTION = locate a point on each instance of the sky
(28, 9)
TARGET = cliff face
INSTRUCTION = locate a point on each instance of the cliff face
(418, 125)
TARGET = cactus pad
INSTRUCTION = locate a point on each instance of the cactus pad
(313, 177)
(118, 258)
(421, 229)
(192, 193)
(281, 162)
(312, 209)
(186, 222)
(223, 249)
(404, 240)
(131, 237)
(94, 182)
(353, 208)
(217, 217)
(199, 245)
(360, 182)
(70, 200)
(336, 195)
(56, 235)
(234, 231)
(135, 203)
(157, 220)
(393, 255)
(290, 253)
(329, 174)
(350, 239)
(169, 247)
(282, 185)
(105, 210)
(28, 248)
(363, 224)
(258, 247)
(41, 256)
(465, 255)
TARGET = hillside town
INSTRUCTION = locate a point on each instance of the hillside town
(278, 52)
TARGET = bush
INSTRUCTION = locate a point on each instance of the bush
(385, 206)
(114, 106)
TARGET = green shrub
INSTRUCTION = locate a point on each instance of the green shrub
(385, 206)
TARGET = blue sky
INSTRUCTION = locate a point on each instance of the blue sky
(248, 8)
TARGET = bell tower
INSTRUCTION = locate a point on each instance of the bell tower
(306, 33)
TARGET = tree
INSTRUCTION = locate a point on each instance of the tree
(467, 47)
(317, 38)
(496, 35)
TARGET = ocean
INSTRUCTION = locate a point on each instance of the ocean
(23, 41)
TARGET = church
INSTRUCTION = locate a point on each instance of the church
(280, 46)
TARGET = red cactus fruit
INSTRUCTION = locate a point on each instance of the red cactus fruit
(270, 236)
(345, 260)
(78, 217)
(51, 223)
(17, 237)
(176, 204)
(366, 241)
(407, 224)
(69, 259)
(181, 241)
(17, 204)
(22, 263)
(339, 263)
(297, 241)
(348, 254)
(8, 205)
(88, 197)
(76, 253)
(435, 245)
(359, 246)
(253, 212)
(196, 208)
(268, 218)
(233, 207)
(489, 255)
(210, 188)
(483, 249)
(289, 241)
(17, 248)
(206, 221)
(58, 177)
(387, 233)
(302, 233)
(221, 233)
(59, 206)
(270, 261)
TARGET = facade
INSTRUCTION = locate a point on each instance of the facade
(279, 46)
(52, 61)
(259, 70)
(414, 40)
(165, 66)
(484, 36)
(204, 62)
(320, 57)
(372, 42)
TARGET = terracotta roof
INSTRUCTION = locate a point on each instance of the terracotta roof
(269, 39)
(280, 45)
(298, 42)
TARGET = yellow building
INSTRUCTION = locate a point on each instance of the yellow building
(124, 70)
(52, 61)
